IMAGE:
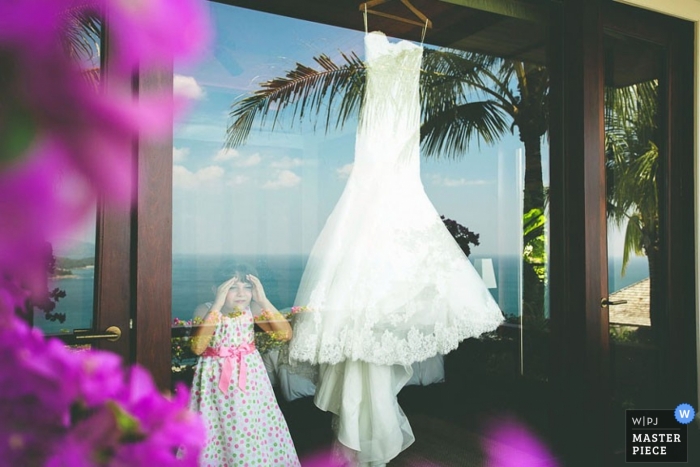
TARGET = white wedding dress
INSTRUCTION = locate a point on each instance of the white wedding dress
(386, 284)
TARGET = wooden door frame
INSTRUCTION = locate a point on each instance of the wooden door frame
(152, 253)
(113, 280)
(578, 230)
(133, 270)
(690, 11)
(578, 269)
(676, 203)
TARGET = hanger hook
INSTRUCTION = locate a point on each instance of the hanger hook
(365, 16)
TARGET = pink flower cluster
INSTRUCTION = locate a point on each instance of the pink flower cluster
(507, 442)
(61, 407)
(177, 322)
(64, 143)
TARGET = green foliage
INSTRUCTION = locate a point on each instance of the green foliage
(462, 235)
(632, 165)
(19, 128)
(534, 242)
(631, 335)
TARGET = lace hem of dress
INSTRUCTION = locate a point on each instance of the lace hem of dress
(386, 348)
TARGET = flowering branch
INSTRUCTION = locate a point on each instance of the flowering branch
(62, 141)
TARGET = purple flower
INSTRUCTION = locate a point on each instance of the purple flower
(37, 209)
(64, 143)
(173, 435)
(148, 31)
(509, 443)
(66, 408)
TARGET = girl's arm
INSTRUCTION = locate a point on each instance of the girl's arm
(272, 320)
(201, 336)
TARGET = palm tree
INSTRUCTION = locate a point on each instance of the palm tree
(465, 96)
(632, 166)
(82, 41)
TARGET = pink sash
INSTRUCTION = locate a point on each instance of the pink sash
(232, 355)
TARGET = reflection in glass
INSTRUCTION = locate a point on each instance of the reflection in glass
(230, 388)
(274, 192)
(71, 263)
(262, 194)
(633, 149)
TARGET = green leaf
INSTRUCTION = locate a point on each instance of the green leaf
(127, 424)
(16, 135)
(532, 220)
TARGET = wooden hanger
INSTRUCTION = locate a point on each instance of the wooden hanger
(426, 23)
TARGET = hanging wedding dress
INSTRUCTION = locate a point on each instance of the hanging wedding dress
(386, 285)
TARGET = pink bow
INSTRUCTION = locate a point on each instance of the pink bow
(231, 355)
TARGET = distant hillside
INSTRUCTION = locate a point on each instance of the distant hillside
(75, 249)
(70, 263)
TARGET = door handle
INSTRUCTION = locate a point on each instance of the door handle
(605, 302)
(112, 333)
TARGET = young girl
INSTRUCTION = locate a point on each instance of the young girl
(231, 388)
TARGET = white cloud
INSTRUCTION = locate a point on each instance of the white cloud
(184, 178)
(187, 86)
(180, 154)
(344, 171)
(454, 182)
(285, 179)
(237, 180)
(226, 154)
(286, 163)
(238, 159)
(249, 161)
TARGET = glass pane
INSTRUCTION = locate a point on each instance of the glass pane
(72, 272)
(633, 151)
(265, 202)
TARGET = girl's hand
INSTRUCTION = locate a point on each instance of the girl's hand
(258, 290)
(221, 293)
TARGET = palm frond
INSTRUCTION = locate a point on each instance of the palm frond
(632, 164)
(451, 77)
(82, 34)
(302, 90)
(451, 131)
(633, 105)
(633, 241)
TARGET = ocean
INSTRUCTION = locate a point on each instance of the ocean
(195, 276)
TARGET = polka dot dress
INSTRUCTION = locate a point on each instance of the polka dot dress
(244, 428)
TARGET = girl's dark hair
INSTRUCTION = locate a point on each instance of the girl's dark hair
(239, 270)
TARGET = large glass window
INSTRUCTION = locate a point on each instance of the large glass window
(71, 264)
(264, 198)
(635, 150)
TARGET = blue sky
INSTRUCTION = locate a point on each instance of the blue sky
(273, 195)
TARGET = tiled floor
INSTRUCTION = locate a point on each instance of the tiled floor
(449, 425)
(449, 429)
